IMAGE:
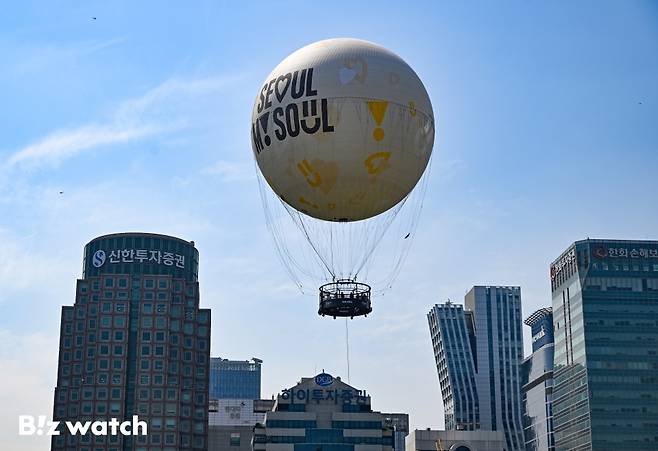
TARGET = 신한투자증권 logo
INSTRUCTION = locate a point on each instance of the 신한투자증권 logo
(99, 258)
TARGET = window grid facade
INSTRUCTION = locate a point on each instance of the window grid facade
(478, 351)
(605, 303)
(452, 341)
(537, 384)
(134, 344)
(234, 379)
(325, 422)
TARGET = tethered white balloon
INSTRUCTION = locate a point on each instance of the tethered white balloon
(342, 131)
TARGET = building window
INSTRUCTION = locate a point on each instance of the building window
(235, 439)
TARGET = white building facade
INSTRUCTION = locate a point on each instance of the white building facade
(428, 440)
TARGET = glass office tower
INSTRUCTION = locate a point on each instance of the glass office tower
(605, 307)
(537, 384)
(478, 351)
(499, 353)
(453, 340)
(136, 343)
(234, 379)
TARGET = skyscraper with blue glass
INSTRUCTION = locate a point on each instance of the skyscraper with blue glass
(453, 340)
(135, 342)
(605, 307)
(478, 350)
(234, 379)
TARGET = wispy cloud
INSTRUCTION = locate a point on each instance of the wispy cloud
(229, 171)
(160, 110)
(28, 58)
(170, 94)
(64, 144)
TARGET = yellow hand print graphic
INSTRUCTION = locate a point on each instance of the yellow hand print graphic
(313, 177)
(377, 162)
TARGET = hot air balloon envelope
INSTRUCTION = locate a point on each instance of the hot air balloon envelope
(342, 130)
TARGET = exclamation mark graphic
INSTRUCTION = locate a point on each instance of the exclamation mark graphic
(378, 111)
(41, 424)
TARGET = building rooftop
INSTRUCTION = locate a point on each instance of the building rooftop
(143, 234)
(538, 315)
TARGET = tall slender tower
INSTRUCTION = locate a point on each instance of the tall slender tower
(478, 350)
(453, 340)
(499, 349)
(135, 343)
(537, 383)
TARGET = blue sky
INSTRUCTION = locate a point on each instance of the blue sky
(547, 132)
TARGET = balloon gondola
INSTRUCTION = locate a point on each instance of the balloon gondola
(342, 132)
(346, 298)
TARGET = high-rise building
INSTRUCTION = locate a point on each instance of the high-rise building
(453, 339)
(478, 350)
(235, 407)
(499, 353)
(323, 413)
(537, 384)
(135, 342)
(605, 316)
(231, 422)
(235, 379)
